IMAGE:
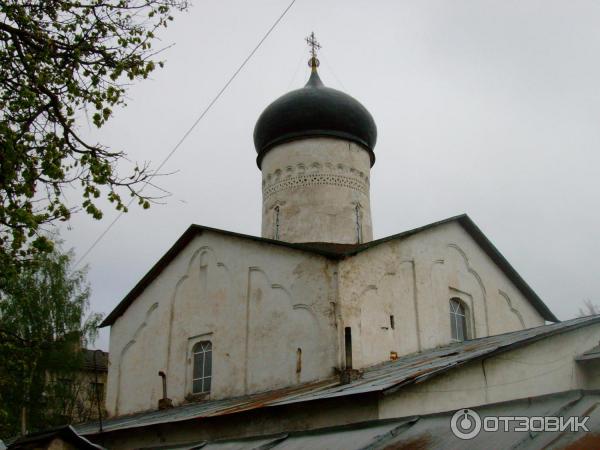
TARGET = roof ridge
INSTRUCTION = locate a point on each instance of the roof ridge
(463, 219)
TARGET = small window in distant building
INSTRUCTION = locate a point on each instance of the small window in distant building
(458, 320)
(202, 375)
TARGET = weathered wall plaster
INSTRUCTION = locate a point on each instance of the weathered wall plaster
(257, 304)
(317, 190)
(414, 279)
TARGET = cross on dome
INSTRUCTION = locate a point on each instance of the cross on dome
(314, 45)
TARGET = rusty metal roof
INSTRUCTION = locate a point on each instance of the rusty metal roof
(433, 432)
(337, 251)
(386, 378)
(95, 360)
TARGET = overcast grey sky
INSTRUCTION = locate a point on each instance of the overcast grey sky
(486, 107)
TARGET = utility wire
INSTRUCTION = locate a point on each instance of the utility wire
(188, 132)
(330, 68)
(302, 58)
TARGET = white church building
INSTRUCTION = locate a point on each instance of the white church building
(314, 335)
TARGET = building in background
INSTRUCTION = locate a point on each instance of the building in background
(93, 378)
(82, 392)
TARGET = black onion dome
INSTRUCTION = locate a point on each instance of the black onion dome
(314, 111)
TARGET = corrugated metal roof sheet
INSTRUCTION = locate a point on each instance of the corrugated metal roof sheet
(386, 377)
(202, 409)
(230, 444)
(341, 438)
(244, 444)
(433, 432)
(591, 354)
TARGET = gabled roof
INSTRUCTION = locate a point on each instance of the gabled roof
(384, 378)
(95, 360)
(338, 251)
(66, 433)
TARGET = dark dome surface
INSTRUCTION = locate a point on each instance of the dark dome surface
(314, 111)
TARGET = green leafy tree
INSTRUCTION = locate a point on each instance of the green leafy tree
(61, 60)
(42, 327)
(589, 309)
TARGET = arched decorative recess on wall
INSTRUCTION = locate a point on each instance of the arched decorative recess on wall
(128, 346)
(514, 310)
(281, 311)
(477, 277)
(197, 257)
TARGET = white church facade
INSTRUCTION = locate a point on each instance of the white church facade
(278, 315)
(316, 325)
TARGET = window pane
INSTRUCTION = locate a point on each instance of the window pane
(453, 325)
(197, 386)
(207, 364)
(460, 327)
(207, 384)
(198, 363)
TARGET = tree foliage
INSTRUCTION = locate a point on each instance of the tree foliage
(42, 328)
(61, 60)
(589, 309)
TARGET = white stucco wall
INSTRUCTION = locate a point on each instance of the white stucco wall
(413, 279)
(257, 303)
(543, 367)
(317, 184)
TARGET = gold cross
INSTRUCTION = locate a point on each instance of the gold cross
(313, 44)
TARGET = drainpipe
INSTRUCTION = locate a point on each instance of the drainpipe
(164, 402)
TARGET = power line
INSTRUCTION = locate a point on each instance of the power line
(302, 58)
(330, 68)
(188, 132)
